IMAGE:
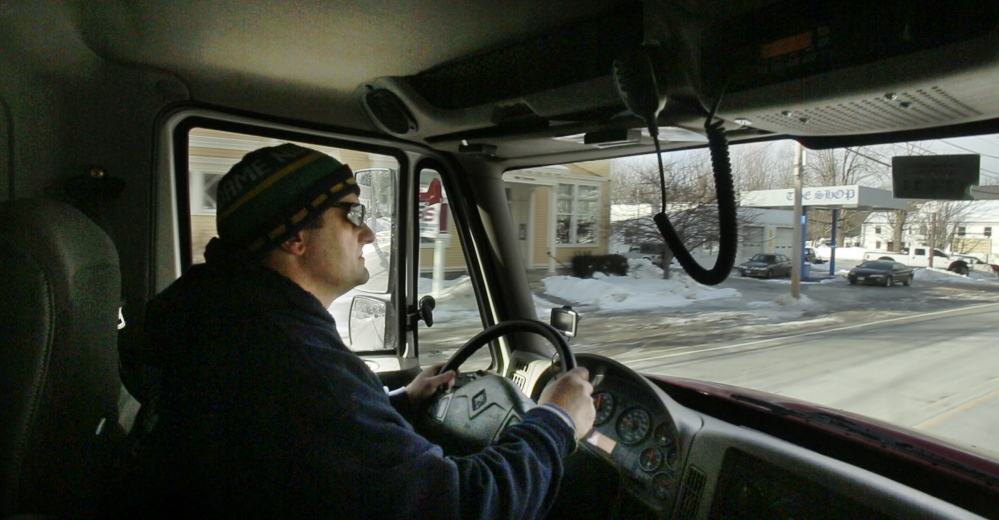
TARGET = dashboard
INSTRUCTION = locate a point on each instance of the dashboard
(639, 438)
(649, 457)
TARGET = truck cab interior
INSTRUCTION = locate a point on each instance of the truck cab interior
(117, 118)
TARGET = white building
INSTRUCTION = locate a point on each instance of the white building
(972, 233)
(763, 231)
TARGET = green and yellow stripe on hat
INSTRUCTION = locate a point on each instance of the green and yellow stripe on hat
(274, 192)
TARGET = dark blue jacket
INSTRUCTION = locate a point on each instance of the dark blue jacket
(265, 413)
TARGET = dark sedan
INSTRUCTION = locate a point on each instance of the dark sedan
(880, 272)
(765, 265)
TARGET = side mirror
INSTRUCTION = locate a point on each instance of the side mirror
(565, 320)
(367, 323)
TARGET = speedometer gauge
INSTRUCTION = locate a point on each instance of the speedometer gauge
(633, 426)
(604, 403)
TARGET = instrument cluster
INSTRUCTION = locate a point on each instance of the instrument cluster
(641, 442)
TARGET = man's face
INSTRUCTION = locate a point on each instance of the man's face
(333, 252)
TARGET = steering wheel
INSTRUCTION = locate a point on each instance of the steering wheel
(474, 413)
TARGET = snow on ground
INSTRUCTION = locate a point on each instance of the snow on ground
(785, 307)
(933, 274)
(456, 300)
(643, 288)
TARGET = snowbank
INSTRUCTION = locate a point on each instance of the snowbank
(933, 274)
(785, 306)
(643, 288)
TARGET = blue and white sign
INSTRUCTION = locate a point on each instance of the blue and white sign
(831, 197)
(837, 194)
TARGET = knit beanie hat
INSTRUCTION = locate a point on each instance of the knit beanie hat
(275, 192)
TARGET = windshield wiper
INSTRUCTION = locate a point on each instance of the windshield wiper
(843, 424)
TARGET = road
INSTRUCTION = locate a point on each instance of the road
(927, 358)
(937, 372)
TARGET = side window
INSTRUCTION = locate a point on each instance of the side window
(443, 274)
(360, 314)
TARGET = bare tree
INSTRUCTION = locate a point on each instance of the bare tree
(944, 218)
(839, 167)
(900, 220)
(763, 166)
(691, 201)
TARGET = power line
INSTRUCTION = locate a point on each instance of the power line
(959, 147)
(922, 148)
(976, 153)
(868, 157)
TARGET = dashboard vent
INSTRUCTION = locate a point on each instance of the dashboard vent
(520, 373)
(690, 494)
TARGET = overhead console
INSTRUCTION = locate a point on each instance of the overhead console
(561, 76)
(846, 67)
(815, 37)
(812, 68)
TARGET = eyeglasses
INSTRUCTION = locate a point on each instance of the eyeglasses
(355, 212)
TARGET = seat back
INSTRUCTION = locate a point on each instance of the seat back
(60, 287)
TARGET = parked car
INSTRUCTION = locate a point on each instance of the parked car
(881, 272)
(976, 264)
(916, 257)
(651, 251)
(811, 257)
(765, 265)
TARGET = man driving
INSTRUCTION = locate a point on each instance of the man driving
(264, 412)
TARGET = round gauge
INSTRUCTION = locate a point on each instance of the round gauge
(633, 426)
(662, 484)
(663, 435)
(604, 403)
(650, 459)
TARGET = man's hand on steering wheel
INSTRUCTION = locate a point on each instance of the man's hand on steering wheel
(572, 393)
(427, 382)
(483, 403)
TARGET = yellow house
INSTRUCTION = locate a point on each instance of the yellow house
(560, 212)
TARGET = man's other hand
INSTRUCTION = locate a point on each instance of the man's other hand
(572, 392)
(428, 381)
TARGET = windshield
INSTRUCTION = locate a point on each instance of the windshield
(881, 352)
(876, 265)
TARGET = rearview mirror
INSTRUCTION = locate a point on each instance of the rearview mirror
(367, 323)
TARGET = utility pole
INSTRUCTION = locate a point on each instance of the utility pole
(797, 236)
